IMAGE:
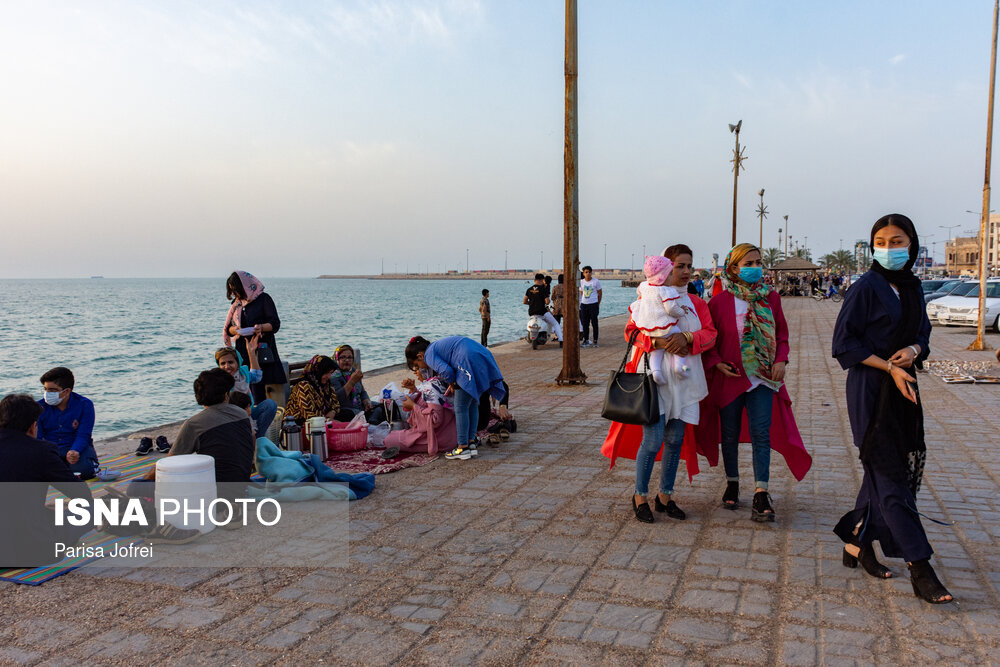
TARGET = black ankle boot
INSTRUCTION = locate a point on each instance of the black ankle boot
(926, 585)
(868, 562)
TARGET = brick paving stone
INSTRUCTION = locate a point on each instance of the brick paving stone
(530, 554)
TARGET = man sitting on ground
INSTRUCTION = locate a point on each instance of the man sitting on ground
(220, 430)
(29, 529)
(67, 421)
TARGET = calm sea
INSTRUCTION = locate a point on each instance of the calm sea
(136, 345)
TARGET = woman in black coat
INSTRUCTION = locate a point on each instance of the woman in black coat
(253, 312)
(881, 336)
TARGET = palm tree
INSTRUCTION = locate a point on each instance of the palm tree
(804, 253)
(843, 260)
(771, 256)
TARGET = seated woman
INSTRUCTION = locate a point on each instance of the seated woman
(346, 380)
(431, 421)
(228, 359)
(314, 395)
(486, 412)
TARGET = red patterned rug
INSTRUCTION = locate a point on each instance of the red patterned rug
(370, 460)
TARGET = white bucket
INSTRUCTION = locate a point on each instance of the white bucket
(188, 478)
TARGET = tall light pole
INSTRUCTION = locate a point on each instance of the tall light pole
(762, 212)
(737, 163)
(571, 372)
(980, 342)
(541, 260)
(786, 236)
(947, 240)
(605, 256)
(505, 261)
(466, 260)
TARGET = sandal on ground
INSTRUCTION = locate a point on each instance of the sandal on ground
(762, 510)
(870, 564)
(671, 509)
(731, 498)
(493, 439)
(926, 585)
(504, 434)
(390, 453)
(642, 512)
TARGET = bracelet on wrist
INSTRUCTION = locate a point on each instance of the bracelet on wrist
(888, 368)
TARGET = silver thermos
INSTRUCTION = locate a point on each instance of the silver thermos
(317, 437)
(291, 435)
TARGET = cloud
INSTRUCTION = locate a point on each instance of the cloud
(896, 59)
(744, 81)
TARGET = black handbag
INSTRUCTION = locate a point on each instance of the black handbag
(631, 398)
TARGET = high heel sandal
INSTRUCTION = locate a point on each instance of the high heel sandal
(762, 510)
(870, 564)
(926, 585)
(731, 498)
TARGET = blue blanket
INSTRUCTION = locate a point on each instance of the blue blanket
(284, 469)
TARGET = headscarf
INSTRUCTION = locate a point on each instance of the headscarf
(894, 442)
(356, 396)
(316, 368)
(252, 288)
(757, 342)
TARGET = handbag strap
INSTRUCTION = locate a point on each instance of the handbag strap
(628, 350)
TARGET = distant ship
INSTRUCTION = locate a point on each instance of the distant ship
(95, 277)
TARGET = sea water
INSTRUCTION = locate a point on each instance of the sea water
(135, 346)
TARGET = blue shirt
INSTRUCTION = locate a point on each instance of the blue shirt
(68, 429)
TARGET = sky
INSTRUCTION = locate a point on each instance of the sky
(175, 139)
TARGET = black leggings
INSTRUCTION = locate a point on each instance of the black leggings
(588, 316)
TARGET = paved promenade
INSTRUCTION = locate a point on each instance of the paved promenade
(530, 553)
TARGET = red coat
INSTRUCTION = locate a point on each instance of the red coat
(624, 439)
(722, 390)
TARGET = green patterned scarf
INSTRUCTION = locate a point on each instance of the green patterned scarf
(757, 344)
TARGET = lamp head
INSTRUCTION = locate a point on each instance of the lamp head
(761, 193)
(735, 128)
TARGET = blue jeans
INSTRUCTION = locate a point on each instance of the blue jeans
(668, 435)
(759, 403)
(87, 465)
(466, 415)
(262, 415)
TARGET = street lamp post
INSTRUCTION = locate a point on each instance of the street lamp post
(737, 163)
(605, 256)
(505, 261)
(466, 260)
(762, 212)
(786, 235)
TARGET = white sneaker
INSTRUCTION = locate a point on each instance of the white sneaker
(460, 453)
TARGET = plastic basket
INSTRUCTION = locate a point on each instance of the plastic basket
(339, 438)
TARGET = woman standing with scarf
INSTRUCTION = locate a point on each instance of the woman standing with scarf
(252, 308)
(881, 334)
(746, 369)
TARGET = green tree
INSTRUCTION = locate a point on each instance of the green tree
(771, 256)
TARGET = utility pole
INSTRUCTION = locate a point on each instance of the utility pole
(980, 342)
(737, 163)
(571, 372)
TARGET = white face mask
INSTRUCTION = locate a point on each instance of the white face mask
(52, 397)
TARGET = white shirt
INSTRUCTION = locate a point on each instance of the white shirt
(741, 316)
(588, 290)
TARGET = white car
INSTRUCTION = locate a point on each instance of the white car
(964, 310)
(957, 291)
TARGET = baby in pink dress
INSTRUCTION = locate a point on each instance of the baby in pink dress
(655, 313)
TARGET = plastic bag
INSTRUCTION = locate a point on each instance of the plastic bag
(377, 434)
(393, 391)
(359, 421)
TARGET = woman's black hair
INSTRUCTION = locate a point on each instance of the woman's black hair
(234, 287)
(416, 345)
(904, 223)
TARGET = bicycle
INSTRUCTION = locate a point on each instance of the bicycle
(832, 295)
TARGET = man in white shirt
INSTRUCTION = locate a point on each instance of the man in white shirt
(590, 304)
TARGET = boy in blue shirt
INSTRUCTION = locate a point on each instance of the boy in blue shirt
(67, 421)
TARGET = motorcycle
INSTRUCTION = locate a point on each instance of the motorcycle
(539, 331)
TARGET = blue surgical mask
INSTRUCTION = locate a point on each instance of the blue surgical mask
(892, 259)
(751, 274)
(52, 397)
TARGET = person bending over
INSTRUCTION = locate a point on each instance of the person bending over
(67, 421)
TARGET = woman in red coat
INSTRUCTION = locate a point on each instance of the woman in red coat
(745, 371)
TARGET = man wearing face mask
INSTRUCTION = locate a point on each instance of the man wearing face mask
(68, 422)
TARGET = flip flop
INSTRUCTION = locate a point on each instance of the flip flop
(390, 453)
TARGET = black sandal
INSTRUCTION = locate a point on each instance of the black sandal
(926, 585)
(762, 510)
(731, 498)
(868, 562)
(642, 512)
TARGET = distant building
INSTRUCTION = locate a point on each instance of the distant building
(962, 256)
(993, 245)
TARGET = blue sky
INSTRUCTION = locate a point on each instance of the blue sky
(298, 138)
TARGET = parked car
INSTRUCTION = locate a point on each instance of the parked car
(930, 286)
(964, 310)
(933, 302)
(946, 289)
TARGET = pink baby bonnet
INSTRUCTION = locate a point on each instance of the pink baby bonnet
(657, 268)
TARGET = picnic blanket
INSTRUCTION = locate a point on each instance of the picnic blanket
(33, 576)
(282, 468)
(370, 460)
